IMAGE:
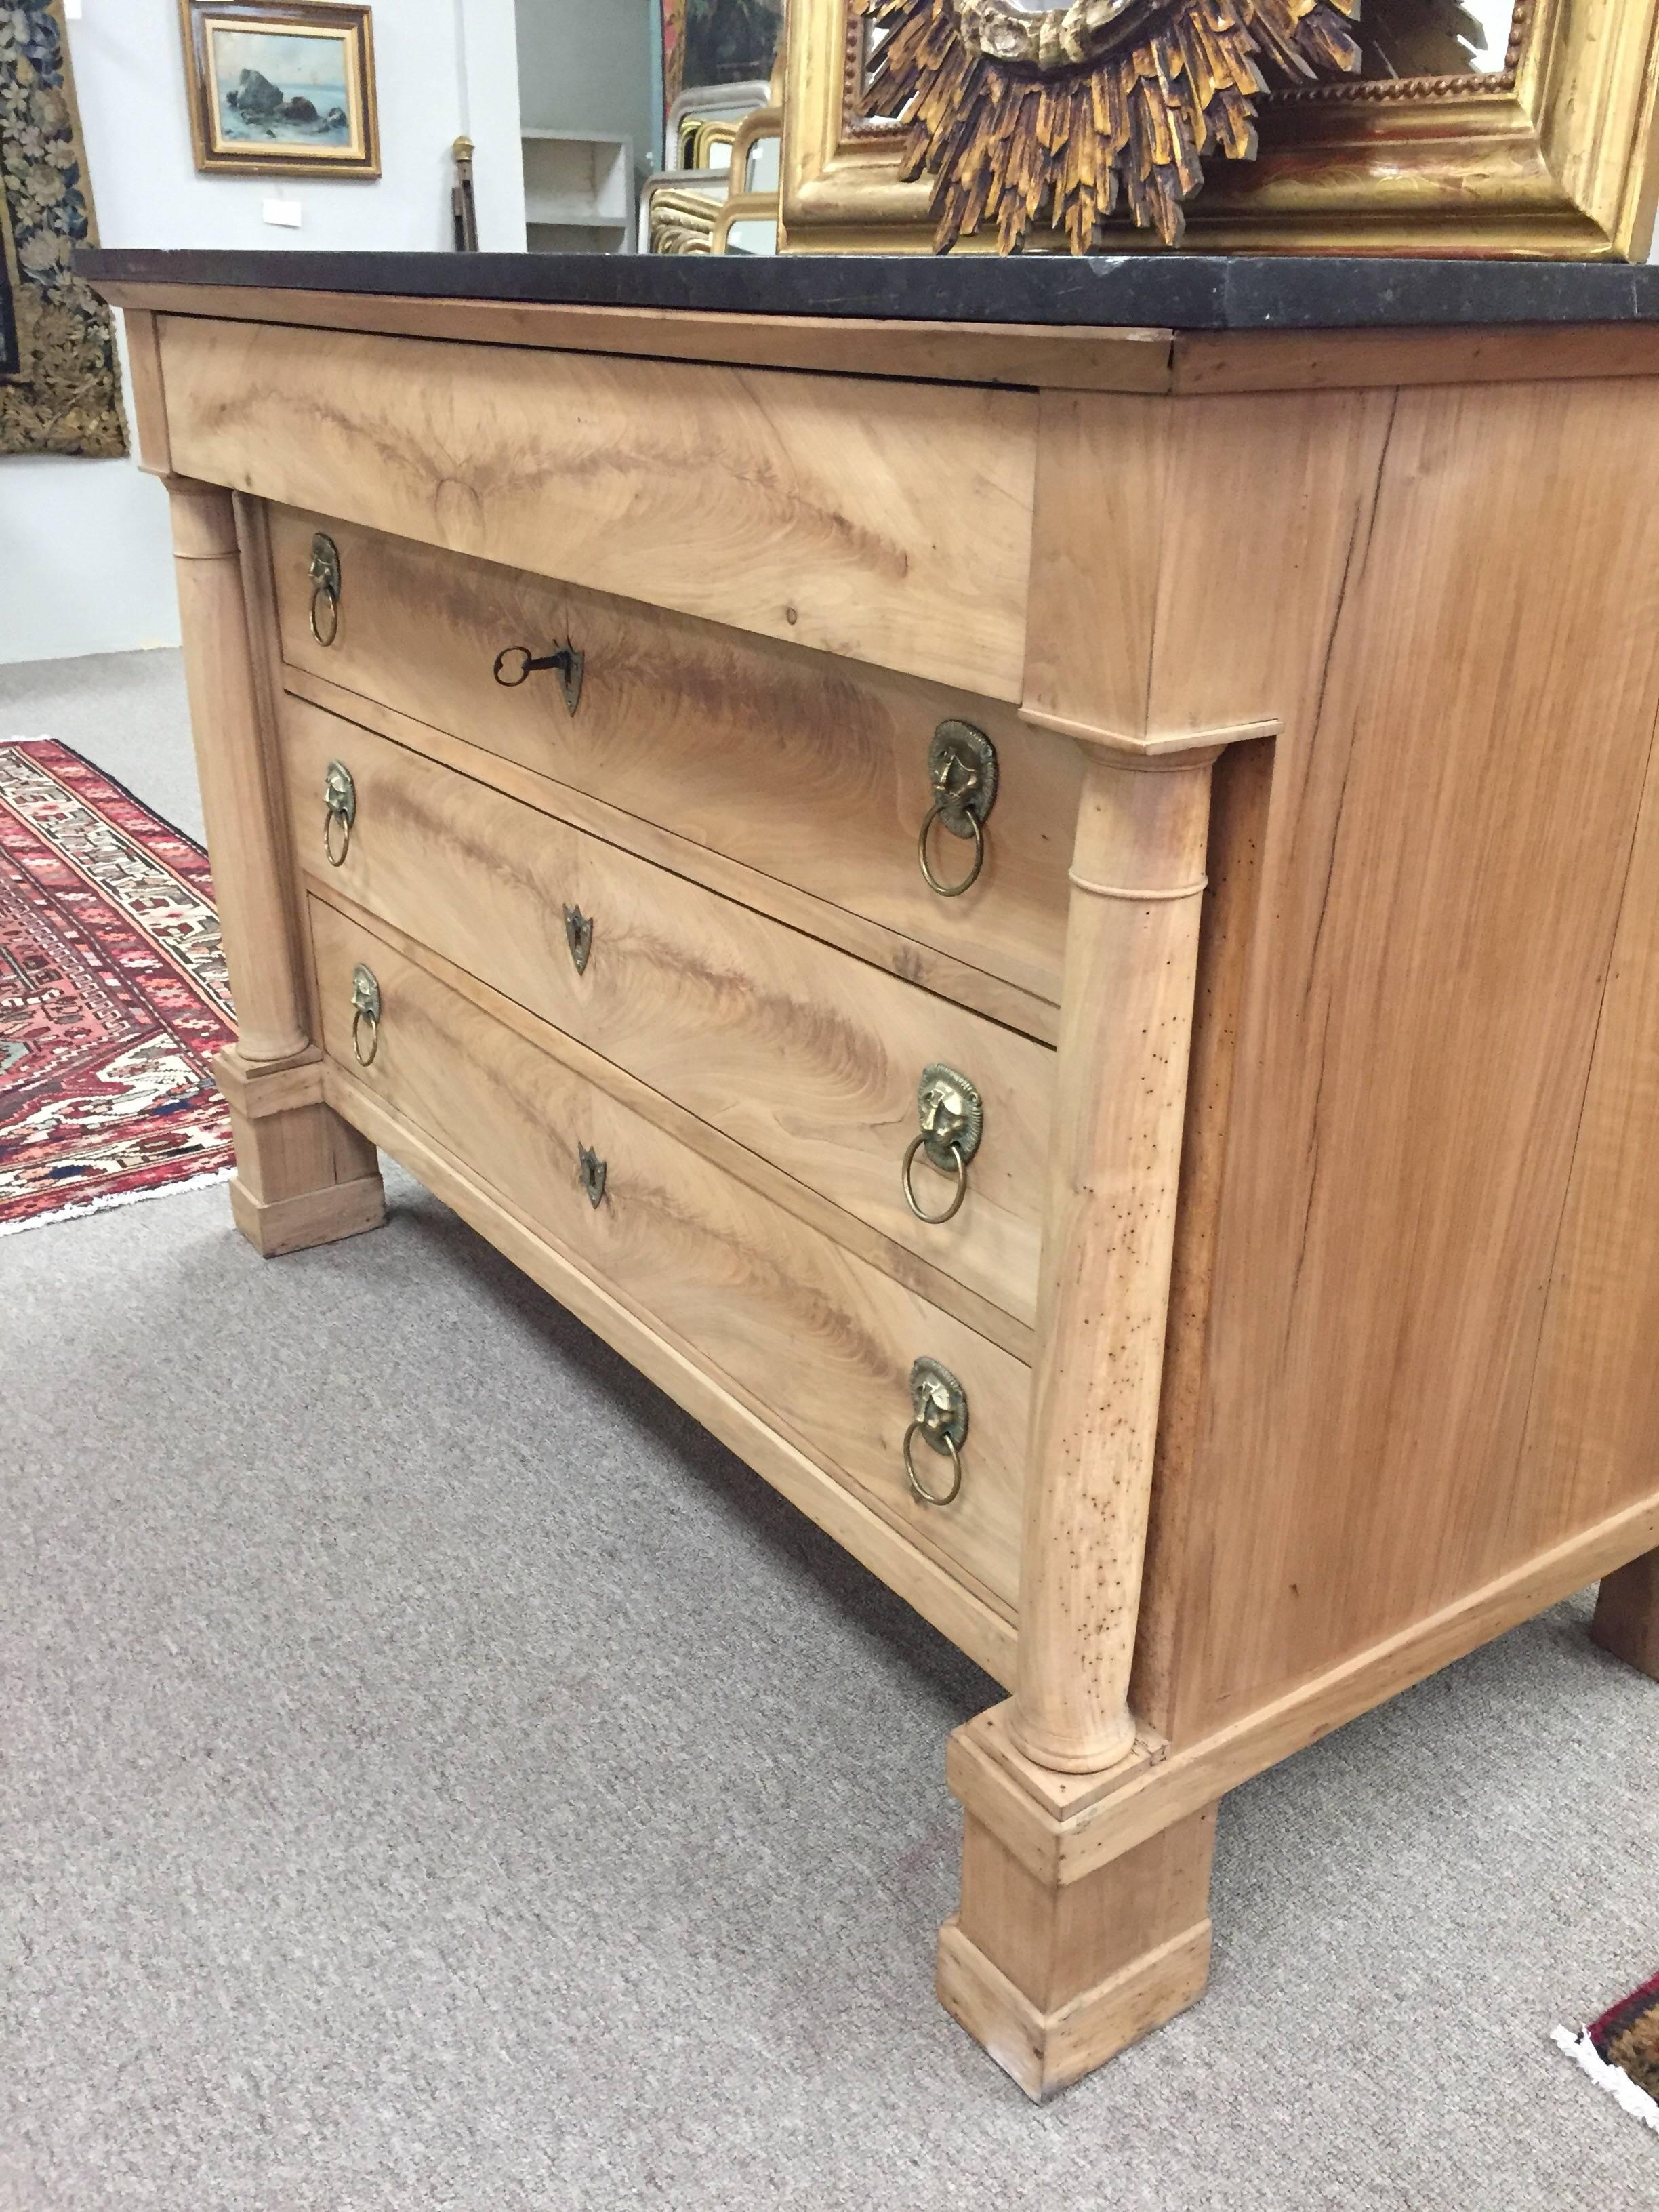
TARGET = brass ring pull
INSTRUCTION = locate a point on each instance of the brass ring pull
(919, 1489)
(960, 1166)
(319, 596)
(339, 808)
(945, 890)
(939, 1408)
(365, 1015)
(961, 768)
(325, 587)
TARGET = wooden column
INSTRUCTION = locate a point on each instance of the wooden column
(1062, 1954)
(302, 1176)
(224, 714)
(1626, 1621)
(1126, 1027)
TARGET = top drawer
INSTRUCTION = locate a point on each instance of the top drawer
(813, 772)
(889, 524)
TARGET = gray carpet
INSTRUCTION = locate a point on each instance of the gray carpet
(436, 1775)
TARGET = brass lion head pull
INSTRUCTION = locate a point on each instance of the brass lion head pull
(340, 811)
(952, 1118)
(365, 1015)
(939, 1405)
(962, 767)
(325, 588)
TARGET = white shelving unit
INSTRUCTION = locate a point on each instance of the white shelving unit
(578, 192)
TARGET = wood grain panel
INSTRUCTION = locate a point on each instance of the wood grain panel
(1126, 359)
(1593, 1434)
(816, 1335)
(780, 503)
(1446, 857)
(1189, 555)
(814, 773)
(934, 971)
(956, 1606)
(810, 1058)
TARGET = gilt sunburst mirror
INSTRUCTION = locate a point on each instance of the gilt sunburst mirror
(1520, 127)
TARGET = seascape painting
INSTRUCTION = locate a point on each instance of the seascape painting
(282, 85)
(276, 89)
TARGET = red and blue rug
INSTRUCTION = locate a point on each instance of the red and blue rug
(113, 996)
(1621, 2052)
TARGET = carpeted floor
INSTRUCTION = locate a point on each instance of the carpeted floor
(437, 1776)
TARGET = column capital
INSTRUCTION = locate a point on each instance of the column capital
(1173, 749)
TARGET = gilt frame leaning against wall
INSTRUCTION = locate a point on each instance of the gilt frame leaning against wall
(289, 48)
(1553, 154)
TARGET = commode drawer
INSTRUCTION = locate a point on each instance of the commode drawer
(810, 770)
(820, 1341)
(812, 1058)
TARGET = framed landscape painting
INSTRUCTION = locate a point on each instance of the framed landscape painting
(282, 86)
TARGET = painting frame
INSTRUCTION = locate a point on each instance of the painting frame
(1555, 157)
(214, 31)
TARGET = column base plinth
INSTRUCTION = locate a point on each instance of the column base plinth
(303, 1175)
(1065, 1949)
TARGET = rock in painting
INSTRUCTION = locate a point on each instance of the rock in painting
(298, 109)
(255, 95)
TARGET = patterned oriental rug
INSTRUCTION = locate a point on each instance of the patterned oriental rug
(113, 996)
(1620, 2051)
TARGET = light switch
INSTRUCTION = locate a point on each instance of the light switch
(285, 213)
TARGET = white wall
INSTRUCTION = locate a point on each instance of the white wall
(588, 65)
(83, 544)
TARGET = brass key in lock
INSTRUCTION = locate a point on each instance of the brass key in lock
(524, 664)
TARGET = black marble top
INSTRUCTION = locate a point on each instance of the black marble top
(1170, 291)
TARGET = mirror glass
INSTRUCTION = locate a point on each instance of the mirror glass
(752, 234)
(1435, 38)
(760, 170)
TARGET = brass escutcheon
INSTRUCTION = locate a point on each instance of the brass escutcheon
(365, 1014)
(962, 767)
(952, 1117)
(325, 587)
(940, 1405)
(593, 1174)
(516, 663)
(579, 936)
(340, 805)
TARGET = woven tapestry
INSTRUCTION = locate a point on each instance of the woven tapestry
(60, 386)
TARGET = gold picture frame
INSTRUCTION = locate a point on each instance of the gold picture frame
(282, 87)
(1554, 155)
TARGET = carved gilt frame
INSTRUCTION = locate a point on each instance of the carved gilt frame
(1555, 155)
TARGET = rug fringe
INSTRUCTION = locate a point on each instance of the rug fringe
(113, 1198)
(1614, 2079)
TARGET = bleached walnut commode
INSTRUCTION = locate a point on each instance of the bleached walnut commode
(1037, 886)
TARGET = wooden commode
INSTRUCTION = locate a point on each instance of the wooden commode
(1037, 887)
